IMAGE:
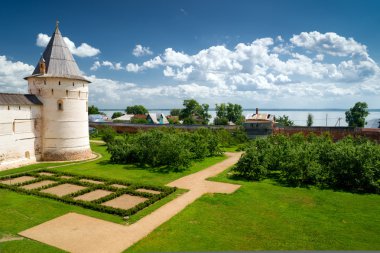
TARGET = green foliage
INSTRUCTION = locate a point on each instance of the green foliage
(355, 116)
(117, 115)
(284, 121)
(107, 134)
(93, 110)
(139, 121)
(310, 119)
(351, 164)
(230, 112)
(168, 148)
(175, 112)
(136, 109)
(194, 113)
(94, 205)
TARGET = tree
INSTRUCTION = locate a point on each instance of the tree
(284, 121)
(93, 110)
(230, 112)
(355, 116)
(175, 112)
(117, 115)
(309, 121)
(136, 109)
(194, 112)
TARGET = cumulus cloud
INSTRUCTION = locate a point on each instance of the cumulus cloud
(110, 65)
(329, 43)
(139, 51)
(12, 74)
(84, 50)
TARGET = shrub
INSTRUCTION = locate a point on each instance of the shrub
(351, 164)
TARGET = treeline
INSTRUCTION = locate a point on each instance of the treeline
(351, 164)
(170, 148)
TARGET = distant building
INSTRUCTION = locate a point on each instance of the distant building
(373, 123)
(259, 124)
(50, 122)
(96, 118)
(126, 118)
(157, 118)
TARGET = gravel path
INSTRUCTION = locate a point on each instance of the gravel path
(79, 233)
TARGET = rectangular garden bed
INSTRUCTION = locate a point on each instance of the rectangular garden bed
(104, 195)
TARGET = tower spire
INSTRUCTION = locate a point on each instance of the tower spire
(56, 24)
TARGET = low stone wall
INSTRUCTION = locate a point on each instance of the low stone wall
(133, 128)
(337, 133)
(67, 155)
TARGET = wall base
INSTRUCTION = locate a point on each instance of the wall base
(67, 155)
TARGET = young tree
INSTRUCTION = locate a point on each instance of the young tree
(194, 112)
(175, 112)
(136, 109)
(355, 116)
(230, 112)
(93, 110)
(309, 121)
(285, 121)
(117, 115)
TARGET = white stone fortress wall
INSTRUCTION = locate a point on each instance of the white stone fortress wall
(65, 134)
(20, 134)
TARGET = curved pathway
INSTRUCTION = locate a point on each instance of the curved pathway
(79, 233)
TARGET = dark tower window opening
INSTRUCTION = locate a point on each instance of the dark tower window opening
(59, 83)
(60, 105)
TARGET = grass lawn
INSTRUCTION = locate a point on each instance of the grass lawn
(132, 173)
(265, 216)
(20, 212)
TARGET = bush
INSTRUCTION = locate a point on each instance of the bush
(107, 134)
(351, 164)
(169, 148)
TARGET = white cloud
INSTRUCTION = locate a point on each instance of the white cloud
(12, 74)
(133, 67)
(330, 43)
(84, 50)
(139, 51)
(110, 65)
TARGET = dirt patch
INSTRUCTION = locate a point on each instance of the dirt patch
(66, 177)
(46, 174)
(148, 191)
(8, 238)
(63, 189)
(97, 194)
(125, 201)
(17, 180)
(91, 181)
(38, 184)
(119, 185)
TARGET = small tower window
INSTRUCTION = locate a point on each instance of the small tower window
(60, 105)
(67, 93)
(52, 91)
(9, 107)
(83, 85)
(73, 83)
(59, 83)
(39, 91)
(14, 126)
(79, 94)
(19, 107)
(45, 82)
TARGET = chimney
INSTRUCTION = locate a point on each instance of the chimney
(257, 110)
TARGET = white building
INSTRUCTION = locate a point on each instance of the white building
(51, 122)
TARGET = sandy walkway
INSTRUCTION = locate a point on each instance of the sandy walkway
(79, 233)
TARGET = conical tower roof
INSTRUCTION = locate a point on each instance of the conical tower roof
(58, 60)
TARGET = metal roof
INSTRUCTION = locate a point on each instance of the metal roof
(59, 61)
(19, 99)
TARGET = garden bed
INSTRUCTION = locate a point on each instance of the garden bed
(89, 192)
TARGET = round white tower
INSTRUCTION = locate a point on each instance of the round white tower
(58, 83)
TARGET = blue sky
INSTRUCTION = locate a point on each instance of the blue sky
(272, 54)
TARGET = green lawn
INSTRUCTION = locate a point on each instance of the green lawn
(259, 216)
(20, 212)
(265, 216)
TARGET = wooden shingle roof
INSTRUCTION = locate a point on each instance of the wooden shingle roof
(19, 99)
(58, 60)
